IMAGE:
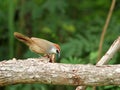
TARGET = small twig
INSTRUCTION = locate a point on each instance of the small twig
(110, 53)
(105, 28)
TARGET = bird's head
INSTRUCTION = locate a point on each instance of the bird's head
(56, 49)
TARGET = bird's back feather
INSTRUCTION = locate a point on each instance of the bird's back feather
(44, 45)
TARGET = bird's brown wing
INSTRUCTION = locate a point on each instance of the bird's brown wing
(44, 45)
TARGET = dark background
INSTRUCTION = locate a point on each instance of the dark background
(74, 24)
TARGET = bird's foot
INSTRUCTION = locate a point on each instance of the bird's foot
(51, 57)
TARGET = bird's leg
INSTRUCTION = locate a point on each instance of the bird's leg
(52, 58)
(47, 55)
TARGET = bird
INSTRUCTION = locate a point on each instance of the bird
(40, 46)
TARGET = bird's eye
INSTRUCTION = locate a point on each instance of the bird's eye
(57, 51)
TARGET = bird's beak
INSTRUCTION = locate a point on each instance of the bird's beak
(58, 55)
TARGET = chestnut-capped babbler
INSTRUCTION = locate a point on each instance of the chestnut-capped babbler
(40, 46)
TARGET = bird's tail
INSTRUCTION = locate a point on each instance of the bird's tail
(23, 38)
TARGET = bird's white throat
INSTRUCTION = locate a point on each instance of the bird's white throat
(53, 50)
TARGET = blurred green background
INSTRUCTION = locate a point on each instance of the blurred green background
(74, 24)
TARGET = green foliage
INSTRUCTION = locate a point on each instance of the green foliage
(74, 24)
(27, 87)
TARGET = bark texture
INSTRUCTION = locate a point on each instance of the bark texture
(41, 71)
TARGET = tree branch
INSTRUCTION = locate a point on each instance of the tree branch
(38, 71)
(110, 53)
